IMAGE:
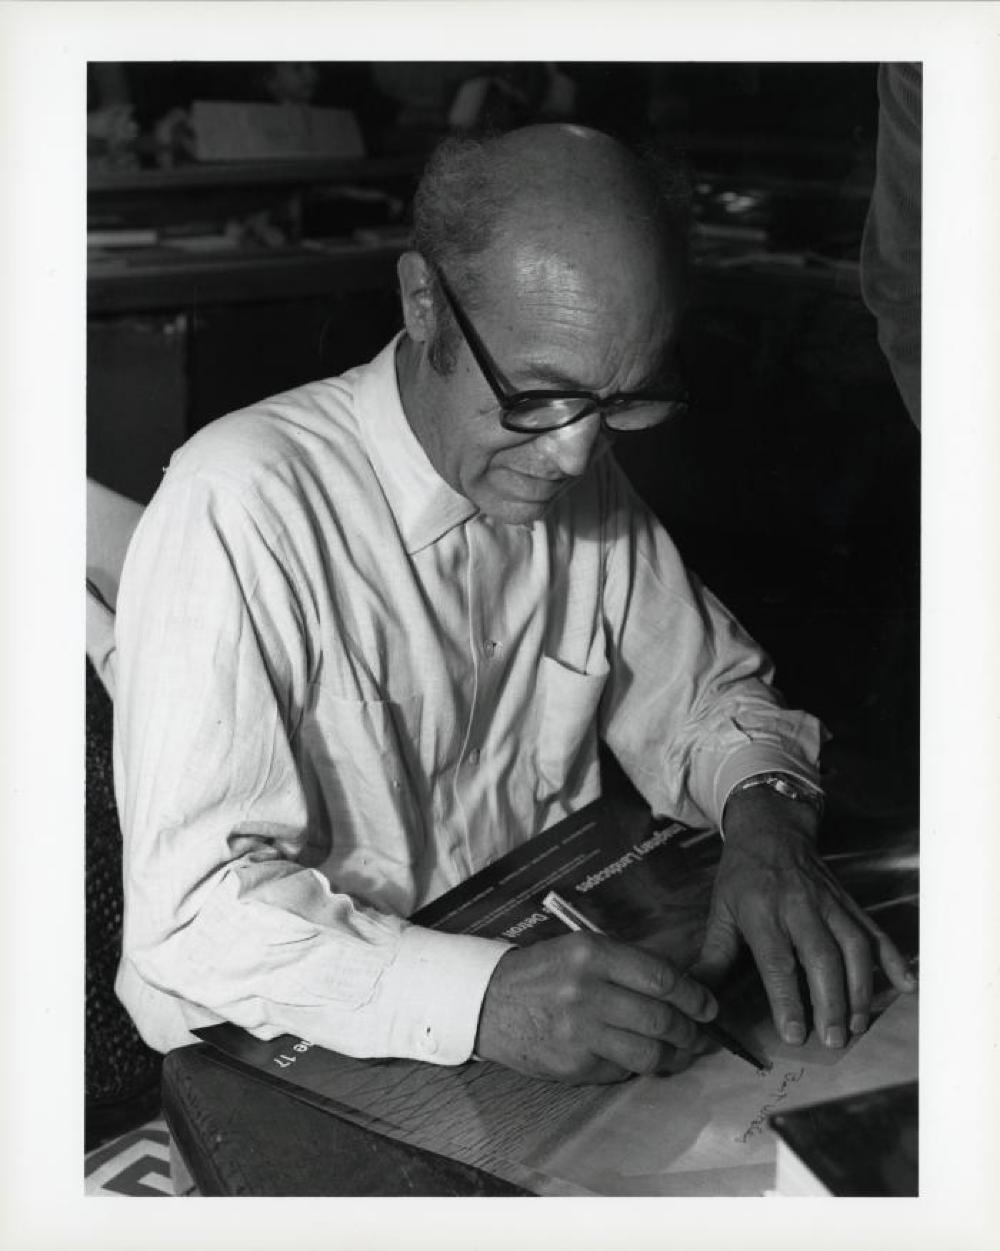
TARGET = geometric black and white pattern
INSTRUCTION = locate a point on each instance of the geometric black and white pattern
(136, 1164)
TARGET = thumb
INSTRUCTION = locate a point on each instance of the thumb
(719, 950)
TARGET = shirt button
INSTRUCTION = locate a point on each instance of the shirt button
(491, 647)
(474, 756)
(428, 1042)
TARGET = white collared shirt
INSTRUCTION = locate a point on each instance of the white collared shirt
(342, 690)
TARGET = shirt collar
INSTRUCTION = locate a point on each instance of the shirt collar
(424, 505)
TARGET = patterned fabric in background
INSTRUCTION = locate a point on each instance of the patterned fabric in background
(121, 1074)
(137, 1164)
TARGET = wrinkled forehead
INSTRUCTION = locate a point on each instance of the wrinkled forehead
(579, 269)
(597, 319)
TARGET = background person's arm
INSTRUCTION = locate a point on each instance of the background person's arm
(891, 244)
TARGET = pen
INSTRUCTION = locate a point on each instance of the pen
(574, 919)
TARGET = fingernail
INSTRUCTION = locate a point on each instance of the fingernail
(708, 1008)
(859, 1022)
(835, 1036)
(794, 1033)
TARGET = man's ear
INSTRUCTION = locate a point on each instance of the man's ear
(417, 297)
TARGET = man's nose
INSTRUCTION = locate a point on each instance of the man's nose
(569, 449)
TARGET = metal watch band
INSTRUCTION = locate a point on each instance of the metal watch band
(786, 785)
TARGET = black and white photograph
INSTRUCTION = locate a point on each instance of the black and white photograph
(508, 757)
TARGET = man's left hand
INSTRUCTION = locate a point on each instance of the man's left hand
(774, 892)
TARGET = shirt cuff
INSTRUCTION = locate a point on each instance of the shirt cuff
(436, 984)
(753, 760)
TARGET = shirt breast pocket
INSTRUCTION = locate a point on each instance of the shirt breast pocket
(566, 750)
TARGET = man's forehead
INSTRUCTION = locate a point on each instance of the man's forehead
(553, 322)
(537, 270)
(584, 268)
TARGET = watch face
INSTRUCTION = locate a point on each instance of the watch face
(789, 788)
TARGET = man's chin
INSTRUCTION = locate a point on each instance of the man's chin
(514, 512)
(521, 499)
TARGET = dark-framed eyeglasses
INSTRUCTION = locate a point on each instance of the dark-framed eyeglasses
(534, 412)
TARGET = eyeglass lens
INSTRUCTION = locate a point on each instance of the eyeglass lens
(538, 415)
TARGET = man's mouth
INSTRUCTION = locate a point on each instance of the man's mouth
(534, 488)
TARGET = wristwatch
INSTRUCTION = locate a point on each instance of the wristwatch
(785, 784)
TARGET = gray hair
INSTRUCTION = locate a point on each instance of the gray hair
(459, 203)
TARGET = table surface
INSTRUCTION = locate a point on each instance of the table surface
(239, 1135)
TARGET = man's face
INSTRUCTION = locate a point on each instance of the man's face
(548, 322)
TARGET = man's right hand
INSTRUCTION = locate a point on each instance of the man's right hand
(584, 1008)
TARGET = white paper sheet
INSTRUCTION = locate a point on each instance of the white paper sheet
(704, 1131)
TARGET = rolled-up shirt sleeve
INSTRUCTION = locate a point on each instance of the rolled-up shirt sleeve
(689, 708)
(223, 919)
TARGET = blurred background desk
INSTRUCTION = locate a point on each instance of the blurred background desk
(225, 303)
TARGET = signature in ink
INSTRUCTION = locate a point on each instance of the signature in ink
(760, 1120)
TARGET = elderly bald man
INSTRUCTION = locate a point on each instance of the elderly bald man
(371, 631)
